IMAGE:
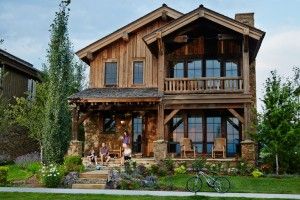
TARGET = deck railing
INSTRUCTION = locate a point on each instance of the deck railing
(203, 85)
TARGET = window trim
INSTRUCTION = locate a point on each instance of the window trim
(132, 64)
(117, 73)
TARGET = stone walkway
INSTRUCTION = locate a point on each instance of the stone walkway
(151, 193)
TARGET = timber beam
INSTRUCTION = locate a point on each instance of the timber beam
(237, 115)
(170, 116)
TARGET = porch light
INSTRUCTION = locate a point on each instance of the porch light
(122, 122)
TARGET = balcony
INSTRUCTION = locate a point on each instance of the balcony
(203, 85)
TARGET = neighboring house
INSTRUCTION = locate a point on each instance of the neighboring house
(17, 79)
(169, 76)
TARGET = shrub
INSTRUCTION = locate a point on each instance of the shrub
(34, 167)
(70, 179)
(244, 168)
(73, 164)
(256, 173)
(180, 170)
(51, 176)
(127, 184)
(5, 160)
(169, 165)
(24, 160)
(198, 164)
(142, 170)
(3, 175)
(154, 169)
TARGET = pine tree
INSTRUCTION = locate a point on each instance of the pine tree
(56, 132)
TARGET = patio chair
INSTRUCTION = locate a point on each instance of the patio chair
(187, 147)
(115, 149)
(219, 147)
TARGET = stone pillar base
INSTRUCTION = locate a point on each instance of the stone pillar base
(75, 148)
(160, 149)
(248, 151)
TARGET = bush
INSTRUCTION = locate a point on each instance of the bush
(34, 167)
(256, 173)
(127, 184)
(180, 170)
(50, 175)
(244, 168)
(5, 160)
(73, 164)
(24, 160)
(169, 165)
(158, 170)
(142, 170)
(198, 164)
(3, 175)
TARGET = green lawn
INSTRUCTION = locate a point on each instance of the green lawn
(16, 173)
(29, 196)
(289, 185)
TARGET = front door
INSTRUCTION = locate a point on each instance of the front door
(138, 129)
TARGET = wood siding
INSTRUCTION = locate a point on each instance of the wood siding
(14, 84)
(124, 53)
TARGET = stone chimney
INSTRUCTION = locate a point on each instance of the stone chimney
(246, 18)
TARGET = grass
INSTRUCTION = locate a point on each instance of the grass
(17, 173)
(29, 196)
(287, 185)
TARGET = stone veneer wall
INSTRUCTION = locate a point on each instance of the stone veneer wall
(150, 133)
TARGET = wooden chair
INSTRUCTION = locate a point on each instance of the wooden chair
(219, 147)
(115, 149)
(187, 146)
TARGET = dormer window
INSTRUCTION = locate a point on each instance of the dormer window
(111, 74)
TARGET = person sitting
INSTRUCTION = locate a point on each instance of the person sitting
(104, 154)
(126, 154)
(92, 157)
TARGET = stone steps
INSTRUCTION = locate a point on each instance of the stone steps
(95, 179)
(88, 186)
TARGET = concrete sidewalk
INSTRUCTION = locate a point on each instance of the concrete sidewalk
(151, 193)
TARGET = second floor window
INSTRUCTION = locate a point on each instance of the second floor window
(111, 73)
(187, 69)
(138, 72)
(231, 69)
(213, 68)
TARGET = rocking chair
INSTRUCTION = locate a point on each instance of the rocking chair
(187, 146)
(219, 147)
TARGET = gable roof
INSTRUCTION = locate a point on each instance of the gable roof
(19, 64)
(202, 12)
(128, 29)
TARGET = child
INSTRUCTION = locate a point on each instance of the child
(126, 154)
(92, 157)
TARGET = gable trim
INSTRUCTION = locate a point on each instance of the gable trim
(207, 14)
(127, 29)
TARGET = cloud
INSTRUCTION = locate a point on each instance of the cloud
(280, 51)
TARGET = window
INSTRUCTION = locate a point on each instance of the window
(137, 125)
(138, 72)
(231, 69)
(232, 136)
(111, 73)
(195, 131)
(194, 69)
(177, 134)
(178, 70)
(109, 124)
(213, 131)
(31, 89)
(213, 68)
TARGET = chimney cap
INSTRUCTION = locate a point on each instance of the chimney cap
(164, 5)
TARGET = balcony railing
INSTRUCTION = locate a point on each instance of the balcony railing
(203, 85)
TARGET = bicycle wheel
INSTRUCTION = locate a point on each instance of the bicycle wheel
(194, 184)
(221, 184)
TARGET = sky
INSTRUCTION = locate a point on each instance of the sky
(25, 24)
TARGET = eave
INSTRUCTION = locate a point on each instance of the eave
(172, 13)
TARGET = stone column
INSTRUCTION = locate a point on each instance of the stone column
(75, 148)
(160, 149)
(248, 151)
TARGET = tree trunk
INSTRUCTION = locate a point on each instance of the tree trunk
(277, 164)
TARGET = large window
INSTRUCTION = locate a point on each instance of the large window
(194, 69)
(213, 68)
(111, 73)
(187, 69)
(137, 125)
(177, 134)
(213, 125)
(195, 132)
(109, 124)
(231, 69)
(138, 72)
(233, 137)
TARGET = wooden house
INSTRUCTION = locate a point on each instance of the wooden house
(169, 76)
(17, 79)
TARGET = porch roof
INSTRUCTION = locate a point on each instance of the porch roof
(117, 95)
